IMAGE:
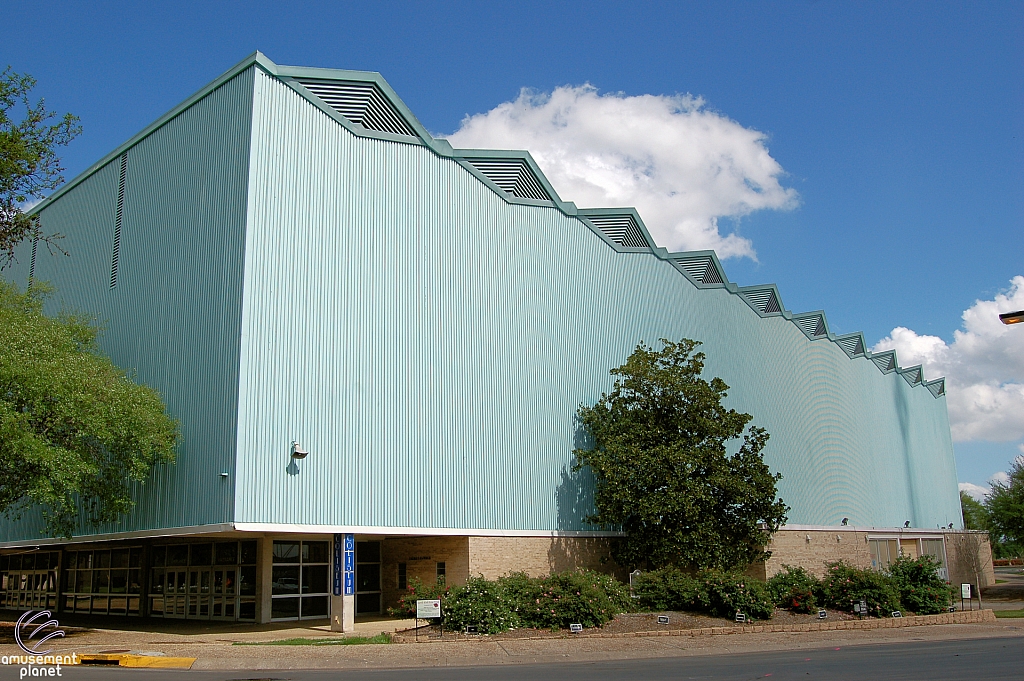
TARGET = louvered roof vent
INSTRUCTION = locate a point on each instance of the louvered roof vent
(362, 103)
(813, 325)
(764, 300)
(852, 345)
(622, 229)
(913, 375)
(701, 269)
(886, 361)
(937, 387)
(513, 176)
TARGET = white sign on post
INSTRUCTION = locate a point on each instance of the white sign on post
(428, 609)
(965, 591)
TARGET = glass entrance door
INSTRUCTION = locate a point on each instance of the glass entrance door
(199, 593)
(174, 593)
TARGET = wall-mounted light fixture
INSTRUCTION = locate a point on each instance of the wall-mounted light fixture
(298, 452)
(1012, 317)
(906, 523)
(846, 521)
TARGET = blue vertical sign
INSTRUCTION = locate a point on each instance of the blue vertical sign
(350, 564)
(338, 558)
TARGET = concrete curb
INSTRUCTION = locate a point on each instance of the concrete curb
(962, 617)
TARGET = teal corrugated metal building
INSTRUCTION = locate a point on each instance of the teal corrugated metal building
(289, 256)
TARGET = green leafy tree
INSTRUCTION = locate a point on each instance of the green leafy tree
(29, 166)
(75, 432)
(975, 515)
(1005, 506)
(659, 451)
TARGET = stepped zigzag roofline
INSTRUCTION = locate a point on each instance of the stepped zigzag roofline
(515, 177)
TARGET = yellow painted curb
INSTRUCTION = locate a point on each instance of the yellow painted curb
(123, 660)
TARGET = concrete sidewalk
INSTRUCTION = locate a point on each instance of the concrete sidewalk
(217, 649)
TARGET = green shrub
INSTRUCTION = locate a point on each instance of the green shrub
(417, 590)
(919, 586)
(726, 593)
(794, 589)
(585, 597)
(845, 585)
(712, 592)
(667, 588)
(479, 602)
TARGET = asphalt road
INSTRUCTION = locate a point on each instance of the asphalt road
(990, 659)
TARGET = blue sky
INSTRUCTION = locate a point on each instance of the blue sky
(899, 125)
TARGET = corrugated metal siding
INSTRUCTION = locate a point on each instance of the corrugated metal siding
(173, 318)
(429, 344)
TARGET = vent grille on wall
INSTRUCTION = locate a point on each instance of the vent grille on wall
(701, 269)
(622, 229)
(886, 361)
(115, 255)
(512, 175)
(812, 325)
(361, 103)
(852, 345)
(937, 387)
(764, 300)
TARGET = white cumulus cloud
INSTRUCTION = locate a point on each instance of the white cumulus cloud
(983, 366)
(976, 491)
(680, 164)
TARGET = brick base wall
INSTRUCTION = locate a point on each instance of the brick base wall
(539, 556)
(421, 556)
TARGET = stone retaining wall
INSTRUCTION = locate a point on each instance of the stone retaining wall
(960, 617)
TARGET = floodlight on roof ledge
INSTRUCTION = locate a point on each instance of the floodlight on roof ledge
(1012, 317)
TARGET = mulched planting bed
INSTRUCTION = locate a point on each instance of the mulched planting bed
(623, 624)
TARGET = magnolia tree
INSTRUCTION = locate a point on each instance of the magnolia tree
(75, 432)
(663, 449)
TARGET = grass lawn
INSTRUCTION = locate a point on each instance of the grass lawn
(347, 641)
(1009, 613)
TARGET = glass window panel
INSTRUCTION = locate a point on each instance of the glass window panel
(118, 605)
(82, 603)
(71, 560)
(51, 583)
(135, 581)
(69, 603)
(156, 581)
(314, 606)
(5, 563)
(285, 579)
(229, 607)
(135, 557)
(367, 603)
(100, 581)
(248, 552)
(316, 552)
(177, 555)
(85, 560)
(69, 581)
(247, 581)
(229, 582)
(84, 585)
(227, 553)
(284, 607)
(158, 556)
(28, 561)
(314, 579)
(368, 552)
(119, 581)
(286, 552)
(202, 554)
(16, 562)
(133, 605)
(367, 577)
(403, 576)
(156, 606)
(119, 558)
(218, 581)
(99, 604)
(101, 559)
(247, 610)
